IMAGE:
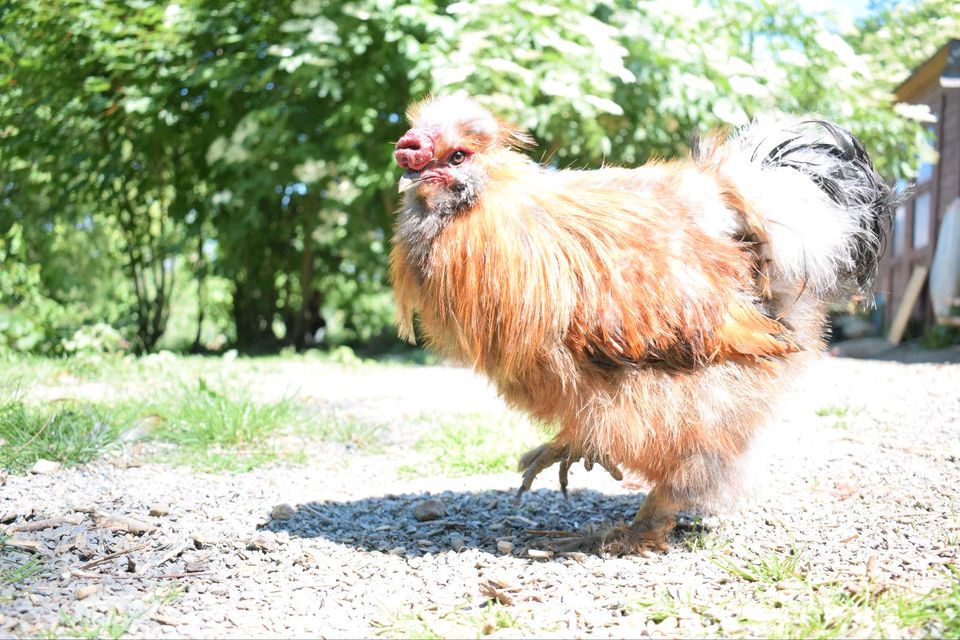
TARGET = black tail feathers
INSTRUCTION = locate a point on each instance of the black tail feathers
(837, 162)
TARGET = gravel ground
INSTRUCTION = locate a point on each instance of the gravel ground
(334, 548)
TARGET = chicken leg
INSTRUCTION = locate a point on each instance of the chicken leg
(648, 531)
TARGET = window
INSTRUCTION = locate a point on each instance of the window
(899, 230)
(921, 220)
(928, 157)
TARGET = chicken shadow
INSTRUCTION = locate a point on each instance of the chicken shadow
(466, 520)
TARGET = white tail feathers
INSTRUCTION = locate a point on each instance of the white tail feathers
(826, 209)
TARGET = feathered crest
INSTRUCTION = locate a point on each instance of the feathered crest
(463, 111)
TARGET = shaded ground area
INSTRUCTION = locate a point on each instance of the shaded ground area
(906, 353)
(854, 522)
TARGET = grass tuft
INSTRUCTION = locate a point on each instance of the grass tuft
(768, 569)
(116, 624)
(14, 569)
(834, 411)
(348, 430)
(69, 433)
(458, 622)
(935, 615)
(216, 430)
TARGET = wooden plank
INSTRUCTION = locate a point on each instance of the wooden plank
(950, 321)
(910, 295)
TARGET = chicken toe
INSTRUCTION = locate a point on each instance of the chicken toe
(649, 531)
(538, 459)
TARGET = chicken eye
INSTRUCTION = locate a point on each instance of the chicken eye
(458, 157)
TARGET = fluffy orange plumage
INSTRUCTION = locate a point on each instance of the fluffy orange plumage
(643, 312)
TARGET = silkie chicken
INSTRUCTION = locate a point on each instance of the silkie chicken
(652, 315)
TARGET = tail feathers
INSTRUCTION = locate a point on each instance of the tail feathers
(842, 169)
(825, 207)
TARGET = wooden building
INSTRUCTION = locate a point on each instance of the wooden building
(936, 83)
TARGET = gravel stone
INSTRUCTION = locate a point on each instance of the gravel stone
(45, 466)
(427, 510)
(282, 512)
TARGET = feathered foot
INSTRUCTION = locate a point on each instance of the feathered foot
(548, 454)
(648, 532)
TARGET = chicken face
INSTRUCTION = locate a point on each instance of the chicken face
(447, 152)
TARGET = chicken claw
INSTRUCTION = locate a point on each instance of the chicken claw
(548, 454)
(538, 459)
(649, 531)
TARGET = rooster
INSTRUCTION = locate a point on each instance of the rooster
(652, 315)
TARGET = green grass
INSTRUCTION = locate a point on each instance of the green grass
(765, 570)
(840, 412)
(115, 624)
(346, 429)
(217, 430)
(453, 622)
(67, 432)
(474, 444)
(834, 411)
(835, 612)
(16, 568)
(168, 593)
(832, 610)
(216, 426)
(167, 400)
(936, 614)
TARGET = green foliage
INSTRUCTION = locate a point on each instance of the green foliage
(902, 35)
(941, 337)
(222, 169)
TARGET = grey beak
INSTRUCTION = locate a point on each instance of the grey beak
(407, 180)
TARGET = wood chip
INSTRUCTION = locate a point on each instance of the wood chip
(111, 556)
(165, 620)
(492, 591)
(159, 510)
(46, 523)
(871, 569)
(27, 545)
(171, 554)
(85, 592)
(524, 522)
(540, 554)
(123, 523)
